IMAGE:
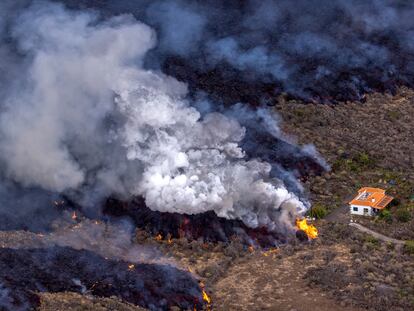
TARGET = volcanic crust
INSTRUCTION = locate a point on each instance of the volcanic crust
(59, 269)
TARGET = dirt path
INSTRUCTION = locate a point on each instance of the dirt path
(376, 234)
(275, 283)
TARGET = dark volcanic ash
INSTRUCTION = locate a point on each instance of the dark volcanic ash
(57, 269)
(312, 49)
(84, 116)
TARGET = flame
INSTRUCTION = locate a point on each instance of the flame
(158, 237)
(270, 252)
(74, 216)
(206, 297)
(251, 248)
(131, 267)
(310, 230)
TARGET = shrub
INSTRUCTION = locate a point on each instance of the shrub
(371, 243)
(409, 246)
(403, 215)
(390, 246)
(394, 202)
(318, 211)
(386, 215)
(372, 240)
(299, 112)
(364, 159)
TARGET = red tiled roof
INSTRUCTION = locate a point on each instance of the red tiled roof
(373, 197)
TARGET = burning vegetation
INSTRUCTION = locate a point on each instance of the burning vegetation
(309, 229)
(135, 118)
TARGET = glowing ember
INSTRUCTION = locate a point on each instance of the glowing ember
(131, 267)
(310, 230)
(158, 237)
(270, 252)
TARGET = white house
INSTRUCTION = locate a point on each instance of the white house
(369, 201)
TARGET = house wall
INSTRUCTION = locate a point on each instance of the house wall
(360, 210)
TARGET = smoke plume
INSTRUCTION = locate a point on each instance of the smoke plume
(85, 117)
(316, 50)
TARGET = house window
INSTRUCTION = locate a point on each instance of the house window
(355, 209)
(365, 211)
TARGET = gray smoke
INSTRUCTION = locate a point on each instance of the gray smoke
(313, 49)
(86, 118)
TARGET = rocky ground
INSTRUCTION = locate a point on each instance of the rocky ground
(366, 144)
(342, 270)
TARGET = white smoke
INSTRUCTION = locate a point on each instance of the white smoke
(87, 116)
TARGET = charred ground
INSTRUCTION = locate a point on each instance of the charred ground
(342, 270)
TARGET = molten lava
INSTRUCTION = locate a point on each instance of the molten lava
(309, 229)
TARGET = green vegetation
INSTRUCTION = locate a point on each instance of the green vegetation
(318, 211)
(403, 215)
(364, 159)
(356, 163)
(409, 247)
(370, 239)
(386, 216)
(390, 246)
(371, 242)
(394, 115)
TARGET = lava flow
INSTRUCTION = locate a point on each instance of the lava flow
(309, 229)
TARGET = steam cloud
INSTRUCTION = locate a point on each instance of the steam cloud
(84, 116)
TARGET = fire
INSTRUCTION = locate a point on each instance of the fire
(131, 267)
(251, 248)
(74, 216)
(310, 230)
(206, 297)
(158, 237)
(270, 252)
